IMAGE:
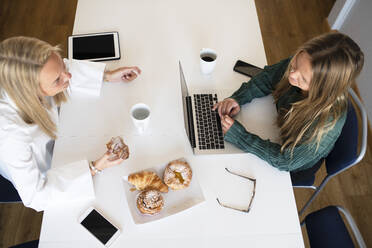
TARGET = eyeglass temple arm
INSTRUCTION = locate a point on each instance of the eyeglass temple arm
(253, 194)
(236, 174)
(242, 210)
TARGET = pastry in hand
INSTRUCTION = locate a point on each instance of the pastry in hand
(118, 148)
(177, 174)
(150, 202)
(147, 180)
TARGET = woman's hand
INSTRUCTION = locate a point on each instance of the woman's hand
(226, 122)
(105, 162)
(227, 107)
(122, 74)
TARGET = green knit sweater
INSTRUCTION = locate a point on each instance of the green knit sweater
(304, 155)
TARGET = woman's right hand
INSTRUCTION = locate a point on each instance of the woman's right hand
(105, 162)
(122, 74)
(228, 107)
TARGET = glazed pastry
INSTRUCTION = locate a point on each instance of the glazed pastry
(144, 180)
(118, 148)
(177, 175)
(150, 202)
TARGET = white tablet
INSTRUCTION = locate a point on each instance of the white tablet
(94, 47)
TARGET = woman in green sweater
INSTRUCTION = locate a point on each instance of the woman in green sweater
(310, 90)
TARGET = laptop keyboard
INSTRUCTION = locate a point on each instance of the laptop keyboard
(208, 122)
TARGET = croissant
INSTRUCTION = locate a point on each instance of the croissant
(144, 180)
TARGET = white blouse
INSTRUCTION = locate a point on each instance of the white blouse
(25, 150)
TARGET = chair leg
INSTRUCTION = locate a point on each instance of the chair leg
(353, 226)
(321, 186)
(308, 202)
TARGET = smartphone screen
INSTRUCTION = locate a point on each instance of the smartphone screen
(246, 69)
(97, 225)
(98, 46)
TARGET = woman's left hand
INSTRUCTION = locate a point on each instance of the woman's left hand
(122, 74)
(226, 122)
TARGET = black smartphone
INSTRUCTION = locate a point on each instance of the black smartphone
(246, 68)
(99, 226)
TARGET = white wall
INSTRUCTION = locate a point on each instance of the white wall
(358, 25)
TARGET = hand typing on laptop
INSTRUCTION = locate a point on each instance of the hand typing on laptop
(228, 107)
(226, 122)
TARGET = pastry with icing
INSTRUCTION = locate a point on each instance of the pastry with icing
(177, 175)
(150, 202)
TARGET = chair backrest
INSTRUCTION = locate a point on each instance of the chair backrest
(344, 153)
(7, 191)
(326, 228)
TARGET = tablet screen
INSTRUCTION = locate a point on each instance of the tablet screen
(98, 46)
(99, 226)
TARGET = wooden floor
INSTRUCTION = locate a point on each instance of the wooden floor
(284, 24)
(52, 21)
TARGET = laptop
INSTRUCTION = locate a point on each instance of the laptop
(203, 126)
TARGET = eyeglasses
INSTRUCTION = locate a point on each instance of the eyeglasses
(253, 193)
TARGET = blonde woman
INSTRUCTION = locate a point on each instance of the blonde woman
(33, 83)
(311, 95)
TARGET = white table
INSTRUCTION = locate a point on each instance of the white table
(155, 35)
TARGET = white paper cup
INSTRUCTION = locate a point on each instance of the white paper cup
(140, 114)
(208, 59)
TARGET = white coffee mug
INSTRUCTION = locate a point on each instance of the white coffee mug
(208, 59)
(140, 114)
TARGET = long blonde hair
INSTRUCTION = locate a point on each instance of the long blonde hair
(21, 60)
(336, 61)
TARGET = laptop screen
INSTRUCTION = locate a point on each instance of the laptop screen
(185, 93)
